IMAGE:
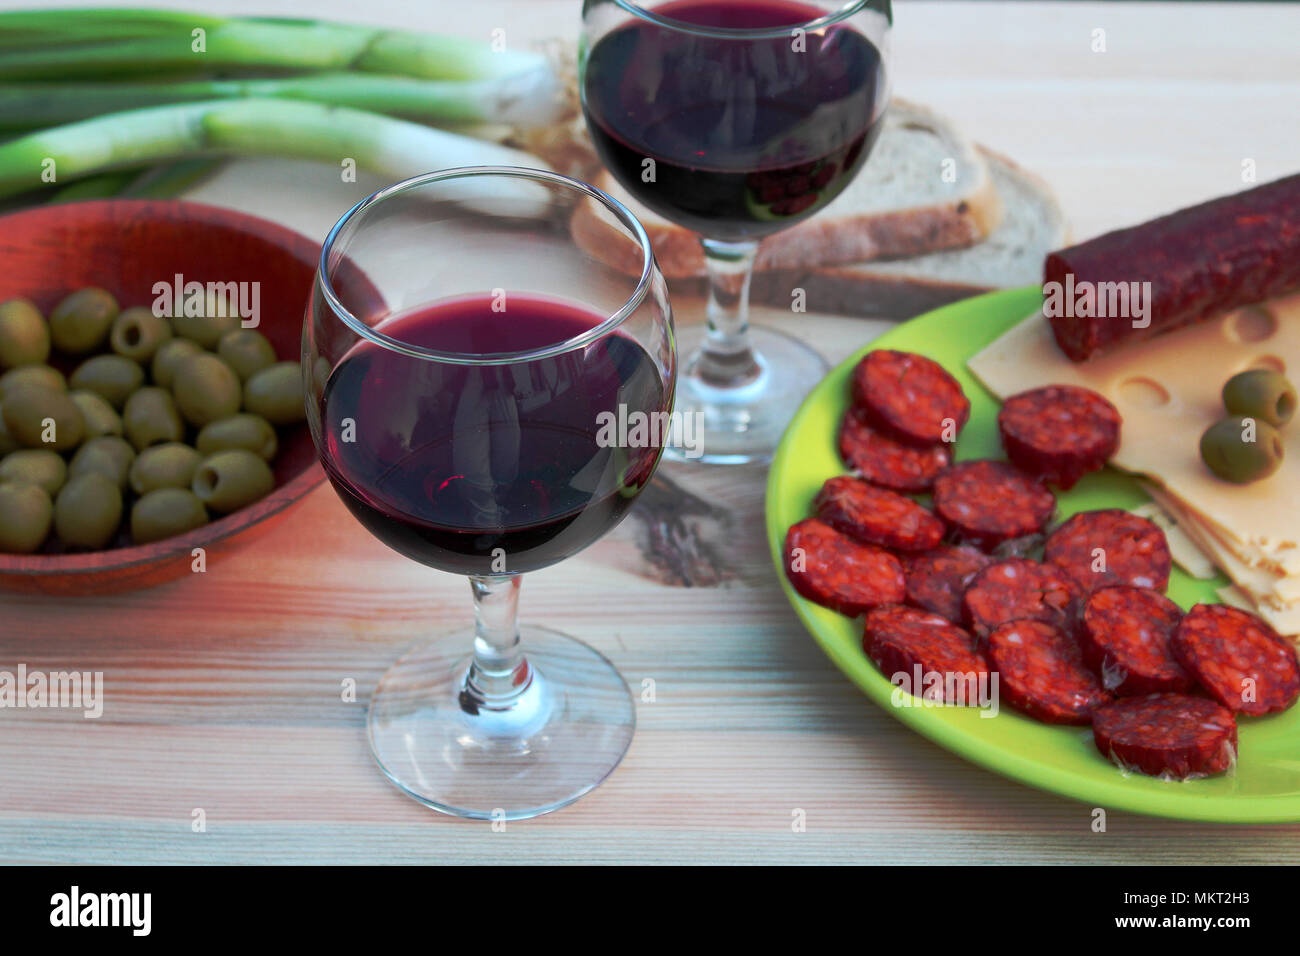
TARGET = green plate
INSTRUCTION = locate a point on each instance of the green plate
(1264, 788)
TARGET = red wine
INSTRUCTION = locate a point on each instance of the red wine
(747, 134)
(479, 469)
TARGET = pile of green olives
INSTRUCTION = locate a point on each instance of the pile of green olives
(1247, 445)
(119, 426)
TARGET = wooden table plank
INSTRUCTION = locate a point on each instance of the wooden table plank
(223, 690)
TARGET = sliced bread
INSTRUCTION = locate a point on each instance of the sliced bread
(924, 188)
(1012, 255)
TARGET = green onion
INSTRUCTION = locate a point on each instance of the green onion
(172, 179)
(150, 182)
(67, 44)
(392, 147)
(523, 100)
(21, 29)
(103, 186)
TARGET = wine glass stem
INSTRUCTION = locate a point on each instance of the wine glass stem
(498, 672)
(726, 360)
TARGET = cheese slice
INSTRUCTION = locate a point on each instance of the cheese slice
(1235, 597)
(1257, 585)
(1181, 547)
(1168, 390)
(1285, 584)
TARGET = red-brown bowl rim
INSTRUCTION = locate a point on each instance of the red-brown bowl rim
(296, 245)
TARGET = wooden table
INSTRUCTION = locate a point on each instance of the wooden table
(223, 690)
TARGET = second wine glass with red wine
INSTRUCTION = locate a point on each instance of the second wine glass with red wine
(736, 119)
(468, 369)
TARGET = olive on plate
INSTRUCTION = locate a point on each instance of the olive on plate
(80, 323)
(107, 455)
(231, 479)
(87, 511)
(38, 416)
(35, 466)
(165, 512)
(138, 334)
(1261, 393)
(111, 377)
(24, 336)
(26, 514)
(1242, 449)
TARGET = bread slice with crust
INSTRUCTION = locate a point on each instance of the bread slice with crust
(1012, 255)
(924, 188)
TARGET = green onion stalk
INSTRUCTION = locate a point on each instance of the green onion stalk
(520, 100)
(103, 43)
(394, 148)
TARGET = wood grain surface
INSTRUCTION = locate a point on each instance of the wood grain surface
(224, 689)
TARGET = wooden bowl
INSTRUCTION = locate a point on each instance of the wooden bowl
(126, 246)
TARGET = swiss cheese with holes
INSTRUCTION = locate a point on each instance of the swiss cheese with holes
(1168, 389)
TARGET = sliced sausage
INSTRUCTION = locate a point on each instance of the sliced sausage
(1016, 589)
(1059, 433)
(876, 515)
(910, 397)
(937, 580)
(835, 571)
(1238, 658)
(1167, 735)
(1100, 549)
(988, 502)
(1125, 638)
(908, 645)
(888, 463)
(1041, 672)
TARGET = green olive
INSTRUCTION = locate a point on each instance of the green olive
(1242, 449)
(32, 375)
(207, 329)
(150, 418)
(166, 512)
(110, 376)
(137, 334)
(24, 336)
(1260, 393)
(169, 357)
(108, 455)
(35, 466)
(80, 323)
(231, 479)
(164, 466)
(101, 418)
(42, 417)
(275, 393)
(25, 517)
(246, 351)
(87, 511)
(206, 389)
(249, 432)
(7, 441)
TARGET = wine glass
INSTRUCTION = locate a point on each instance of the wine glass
(736, 119)
(464, 361)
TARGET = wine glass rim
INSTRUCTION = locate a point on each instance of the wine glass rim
(611, 323)
(835, 16)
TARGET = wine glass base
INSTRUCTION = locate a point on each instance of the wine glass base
(561, 736)
(744, 424)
